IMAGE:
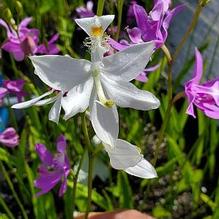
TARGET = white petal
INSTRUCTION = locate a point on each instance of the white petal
(46, 101)
(125, 94)
(87, 23)
(123, 155)
(77, 99)
(29, 103)
(54, 113)
(105, 122)
(127, 64)
(61, 72)
(142, 169)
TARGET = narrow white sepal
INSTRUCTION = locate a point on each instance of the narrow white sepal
(29, 103)
(54, 112)
(142, 169)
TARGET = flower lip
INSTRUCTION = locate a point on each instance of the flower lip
(97, 31)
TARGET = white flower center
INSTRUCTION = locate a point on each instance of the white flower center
(100, 93)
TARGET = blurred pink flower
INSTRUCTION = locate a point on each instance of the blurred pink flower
(14, 87)
(205, 96)
(24, 41)
(49, 49)
(86, 11)
(153, 26)
(20, 42)
(9, 137)
(53, 168)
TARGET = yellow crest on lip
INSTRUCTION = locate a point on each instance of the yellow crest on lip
(96, 31)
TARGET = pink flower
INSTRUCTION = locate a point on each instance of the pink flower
(53, 168)
(205, 96)
(14, 87)
(49, 49)
(9, 138)
(22, 42)
(86, 11)
(153, 26)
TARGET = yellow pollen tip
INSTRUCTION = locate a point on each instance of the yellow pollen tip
(96, 31)
(109, 103)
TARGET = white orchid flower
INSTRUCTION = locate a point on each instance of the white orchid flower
(105, 80)
(123, 155)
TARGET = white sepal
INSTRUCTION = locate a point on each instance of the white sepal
(142, 169)
(105, 122)
(61, 72)
(126, 94)
(77, 99)
(123, 154)
(127, 64)
(31, 102)
(54, 112)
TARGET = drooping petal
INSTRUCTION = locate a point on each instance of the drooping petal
(15, 49)
(54, 112)
(105, 122)
(24, 23)
(198, 70)
(46, 182)
(77, 99)
(211, 110)
(61, 144)
(158, 11)
(135, 35)
(87, 23)
(141, 17)
(142, 169)
(125, 94)
(168, 18)
(45, 156)
(171, 14)
(126, 65)
(123, 154)
(61, 72)
(29, 103)
(116, 45)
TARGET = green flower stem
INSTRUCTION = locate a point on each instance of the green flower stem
(75, 180)
(90, 164)
(169, 107)
(119, 7)
(5, 207)
(195, 18)
(7, 178)
(100, 6)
